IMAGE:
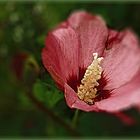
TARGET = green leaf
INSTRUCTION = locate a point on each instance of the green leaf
(50, 96)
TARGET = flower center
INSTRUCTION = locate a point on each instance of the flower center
(87, 90)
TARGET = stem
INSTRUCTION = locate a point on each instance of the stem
(75, 118)
(53, 116)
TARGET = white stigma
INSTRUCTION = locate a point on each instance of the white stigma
(87, 90)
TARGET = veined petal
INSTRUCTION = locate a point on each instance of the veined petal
(77, 17)
(60, 56)
(93, 35)
(121, 60)
(74, 102)
(123, 97)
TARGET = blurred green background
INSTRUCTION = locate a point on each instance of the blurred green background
(30, 103)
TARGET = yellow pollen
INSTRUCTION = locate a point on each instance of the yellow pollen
(87, 90)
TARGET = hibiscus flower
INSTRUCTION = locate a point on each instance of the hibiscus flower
(97, 68)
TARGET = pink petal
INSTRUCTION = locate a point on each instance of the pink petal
(122, 61)
(138, 107)
(60, 56)
(112, 36)
(77, 17)
(123, 97)
(74, 102)
(93, 35)
(125, 118)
